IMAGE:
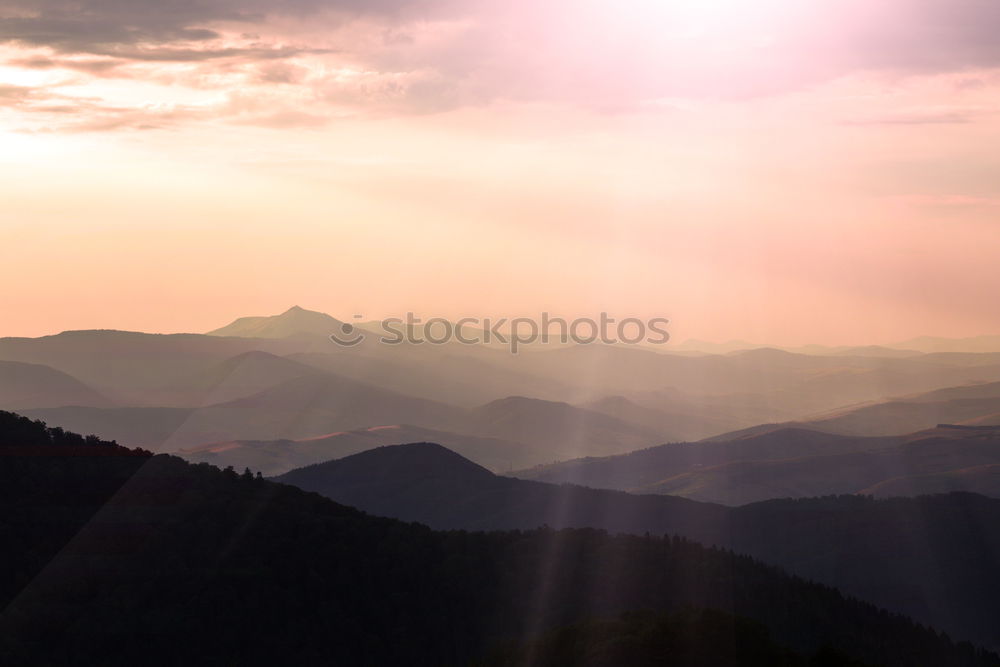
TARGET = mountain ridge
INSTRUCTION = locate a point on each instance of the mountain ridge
(866, 547)
(296, 321)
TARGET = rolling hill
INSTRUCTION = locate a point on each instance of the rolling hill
(124, 365)
(133, 559)
(938, 461)
(303, 407)
(983, 479)
(238, 377)
(797, 463)
(675, 423)
(975, 403)
(316, 404)
(36, 386)
(274, 457)
(950, 405)
(934, 558)
(645, 467)
(559, 429)
(459, 375)
(428, 483)
(666, 397)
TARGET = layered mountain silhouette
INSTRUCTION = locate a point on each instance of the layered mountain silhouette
(665, 397)
(929, 463)
(780, 382)
(974, 404)
(646, 467)
(919, 345)
(429, 483)
(501, 435)
(133, 368)
(302, 407)
(230, 379)
(795, 462)
(933, 558)
(152, 560)
(679, 421)
(930, 344)
(36, 386)
(956, 405)
(466, 376)
(706, 347)
(553, 426)
(273, 457)
(523, 431)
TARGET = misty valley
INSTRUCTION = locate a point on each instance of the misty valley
(259, 495)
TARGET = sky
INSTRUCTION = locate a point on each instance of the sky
(775, 171)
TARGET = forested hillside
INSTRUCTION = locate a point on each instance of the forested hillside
(124, 560)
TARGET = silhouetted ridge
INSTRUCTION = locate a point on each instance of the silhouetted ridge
(400, 463)
(20, 435)
(933, 557)
(126, 561)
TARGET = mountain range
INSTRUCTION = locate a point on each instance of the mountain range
(280, 378)
(795, 462)
(152, 560)
(273, 457)
(932, 558)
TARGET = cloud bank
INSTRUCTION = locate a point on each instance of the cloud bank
(321, 59)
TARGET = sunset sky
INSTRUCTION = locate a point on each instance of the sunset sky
(778, 171)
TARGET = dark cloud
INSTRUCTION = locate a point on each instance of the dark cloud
(602, 55)
(94, 34)
(87, 26)
(172, 54)
(90, 66)
(919, 34)
(931, 35)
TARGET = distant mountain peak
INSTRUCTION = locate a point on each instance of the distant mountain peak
(296, 321)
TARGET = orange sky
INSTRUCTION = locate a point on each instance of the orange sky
(793, 174)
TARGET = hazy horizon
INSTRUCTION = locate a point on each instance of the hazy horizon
(674, 341)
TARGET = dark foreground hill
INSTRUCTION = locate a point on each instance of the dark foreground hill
(646, 639)
(132, 559)
(934, 558)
